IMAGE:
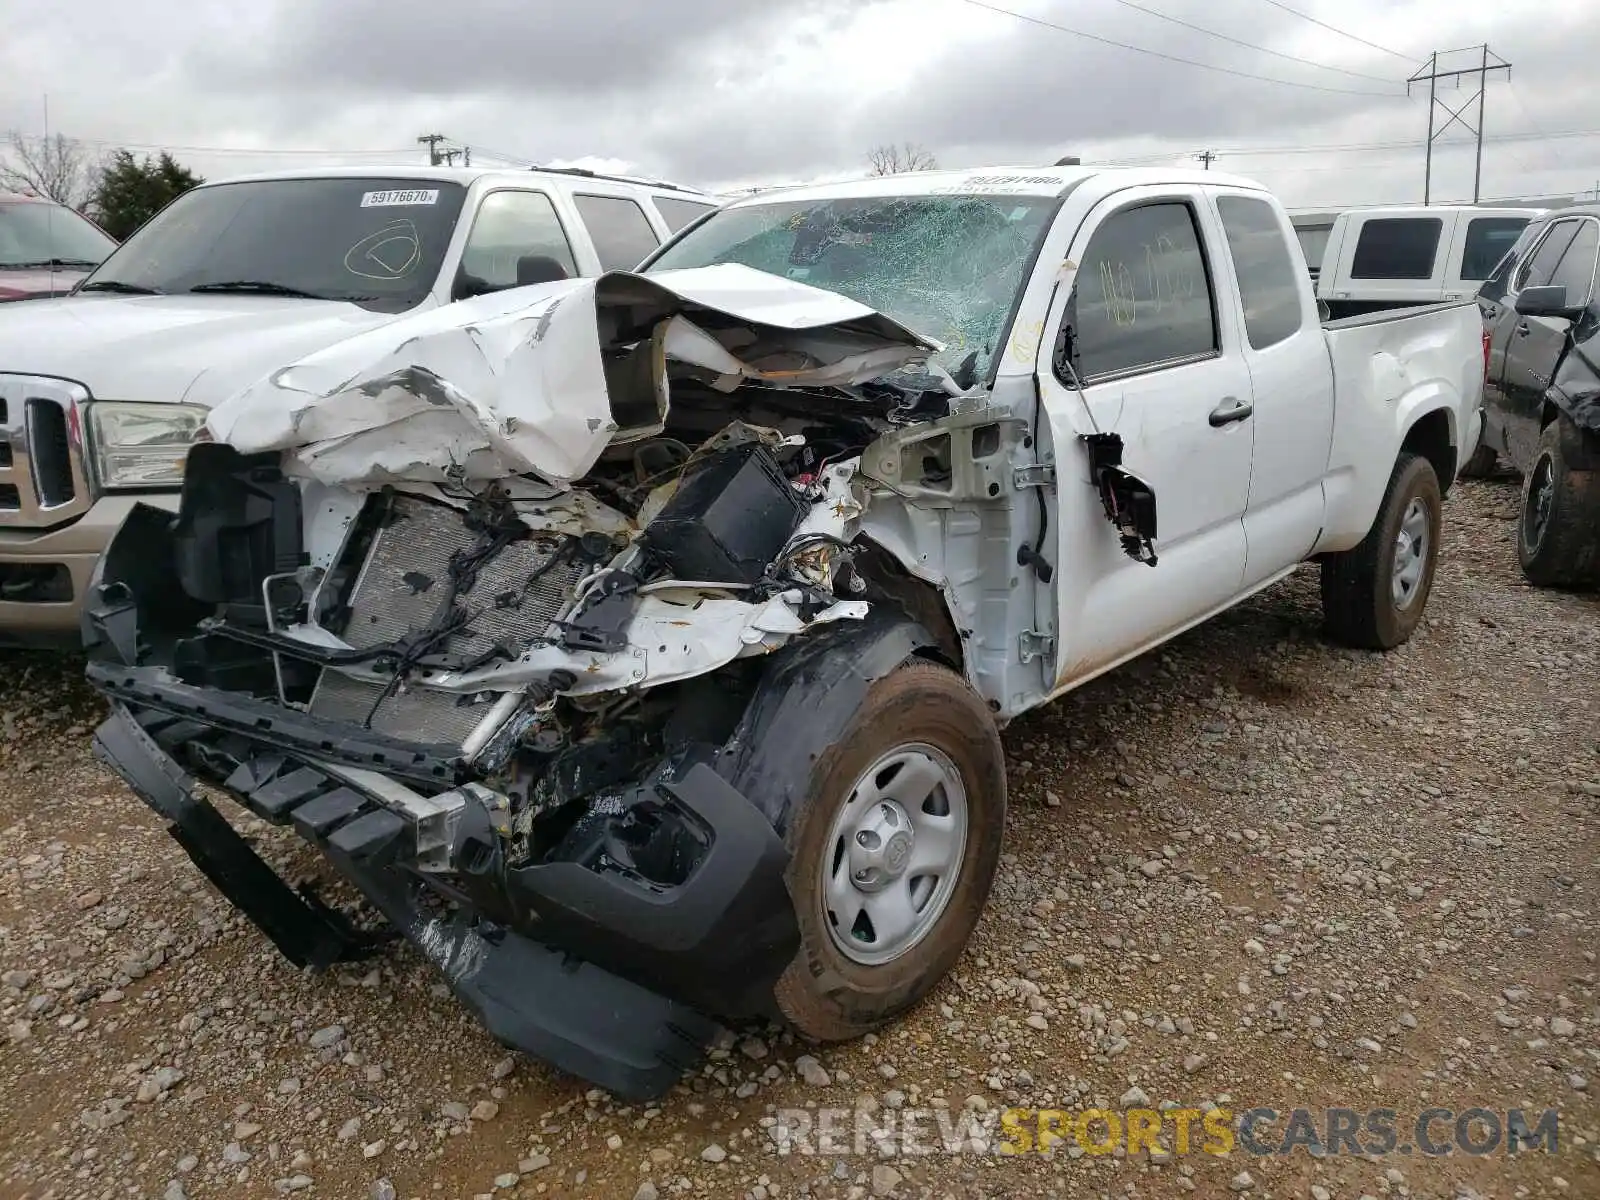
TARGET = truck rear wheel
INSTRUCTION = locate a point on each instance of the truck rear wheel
(893, 858)
(1558, 528)
(1373, 595)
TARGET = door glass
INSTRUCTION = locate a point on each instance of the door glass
(1488, 239)
(1541, 264)
(1576, 272)
(1268, 283)
(1143, 295)
(512, 226)
(619, 229)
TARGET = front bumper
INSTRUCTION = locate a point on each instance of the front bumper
(621, 985)
(47, 574)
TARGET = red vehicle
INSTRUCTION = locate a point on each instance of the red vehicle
(46, 248)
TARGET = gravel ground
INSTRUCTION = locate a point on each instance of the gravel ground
(1247, 870)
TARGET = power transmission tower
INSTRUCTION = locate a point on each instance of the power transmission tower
(1432, 79)
(431, 141)
(1207, 157)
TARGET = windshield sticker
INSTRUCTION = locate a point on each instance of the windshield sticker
(1033, 185)
(388, 254)
(395, 199)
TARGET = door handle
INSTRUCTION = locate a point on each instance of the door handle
(1523, 329)
(1229, 411)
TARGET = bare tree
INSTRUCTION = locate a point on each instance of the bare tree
(895, 160)
(57, 167)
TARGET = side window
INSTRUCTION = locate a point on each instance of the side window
(1143, 296)
(678, 213)
(1488, 239)
(512, 227)
(1397, 248)
(1576, 270)
(618, 228)
(1539, 266)
(1268, 283)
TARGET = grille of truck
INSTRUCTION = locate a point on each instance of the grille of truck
(42, 479)
(398, 592)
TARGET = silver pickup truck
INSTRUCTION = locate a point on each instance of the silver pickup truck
(101, 391)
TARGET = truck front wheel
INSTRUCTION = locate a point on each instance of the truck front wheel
(894, 855)
(1373, 595)
(1558, 529)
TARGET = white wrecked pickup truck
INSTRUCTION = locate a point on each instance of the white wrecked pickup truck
(638, 646)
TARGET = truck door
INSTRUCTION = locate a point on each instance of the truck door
(1287, 357)
(1140, 348)
(1566, 255)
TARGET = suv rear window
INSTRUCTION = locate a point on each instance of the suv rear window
(1488, 239)
(1397, 248)
(678, 213)
(619, 229)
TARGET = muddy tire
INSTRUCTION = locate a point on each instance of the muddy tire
(1485, 459)
(1558, 525)
(893, 858)
(1373, 595)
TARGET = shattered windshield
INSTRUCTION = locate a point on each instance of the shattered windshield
(948, 267)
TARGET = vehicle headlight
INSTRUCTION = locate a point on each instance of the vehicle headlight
(141, 445)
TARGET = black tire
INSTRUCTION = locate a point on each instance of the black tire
(1358, 600)
(1485, 459)
(1558, 524)
(824, 994)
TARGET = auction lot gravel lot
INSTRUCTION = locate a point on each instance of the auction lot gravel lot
(1249, 870)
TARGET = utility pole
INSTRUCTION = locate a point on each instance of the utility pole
(1207, 157)
(1432, 78)
(449, 157)
(431, 141)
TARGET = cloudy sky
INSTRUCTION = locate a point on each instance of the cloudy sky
(721, 93)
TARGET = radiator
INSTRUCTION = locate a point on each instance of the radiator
(397, 591)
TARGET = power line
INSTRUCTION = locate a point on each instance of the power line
(1188, 62)
(1432, 79)
(1251, 45)
(1295, 12)
(1354, 147)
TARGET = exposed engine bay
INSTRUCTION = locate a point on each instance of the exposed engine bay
(499, 609)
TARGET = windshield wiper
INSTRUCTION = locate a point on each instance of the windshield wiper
(116, 285)
(50, 262)
(264, 286)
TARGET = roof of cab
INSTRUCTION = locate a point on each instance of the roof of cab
(1002, 181)
(462, 175)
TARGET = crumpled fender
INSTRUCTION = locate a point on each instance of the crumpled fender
(805, 703)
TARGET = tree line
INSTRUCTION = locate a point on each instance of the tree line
(117, 191)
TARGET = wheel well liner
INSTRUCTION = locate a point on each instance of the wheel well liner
(806, 701)
(1430, 438)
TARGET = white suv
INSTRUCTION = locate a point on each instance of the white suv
(101, 391)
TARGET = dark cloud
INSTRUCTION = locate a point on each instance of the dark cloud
(717, 91)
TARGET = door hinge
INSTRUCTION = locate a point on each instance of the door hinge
(1033, 475)
(1034, 645)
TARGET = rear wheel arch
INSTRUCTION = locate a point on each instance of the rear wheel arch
(1432, 437)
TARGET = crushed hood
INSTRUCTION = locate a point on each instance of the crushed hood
(538, 380)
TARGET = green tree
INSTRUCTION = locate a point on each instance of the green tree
(129, 192)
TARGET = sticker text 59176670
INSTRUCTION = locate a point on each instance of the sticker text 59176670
(392, 199)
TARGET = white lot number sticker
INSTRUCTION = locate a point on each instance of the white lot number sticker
(395, 199)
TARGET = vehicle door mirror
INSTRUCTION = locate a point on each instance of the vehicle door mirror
(1548, 301)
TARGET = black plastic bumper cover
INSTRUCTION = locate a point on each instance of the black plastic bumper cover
(580, 1018)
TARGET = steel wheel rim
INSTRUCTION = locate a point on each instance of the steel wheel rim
(893, 854)
(1541, 502)
(1410, 554)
